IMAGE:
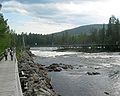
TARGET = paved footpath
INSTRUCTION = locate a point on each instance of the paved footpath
(9, 78)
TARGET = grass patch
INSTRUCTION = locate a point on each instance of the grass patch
(18, 52)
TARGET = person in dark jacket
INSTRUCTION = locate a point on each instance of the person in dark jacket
(11, 54)
(5, 54)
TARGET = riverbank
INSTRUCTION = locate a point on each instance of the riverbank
(33, 77)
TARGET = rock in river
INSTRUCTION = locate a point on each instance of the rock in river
(93, 73)
(58, 67)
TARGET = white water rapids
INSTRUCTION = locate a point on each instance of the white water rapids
(75, 82)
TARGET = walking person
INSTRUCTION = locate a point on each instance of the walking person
(11, 54)
(5, 54)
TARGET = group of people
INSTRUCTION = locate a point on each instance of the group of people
(8, 51)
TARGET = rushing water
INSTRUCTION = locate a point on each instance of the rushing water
(76, 82)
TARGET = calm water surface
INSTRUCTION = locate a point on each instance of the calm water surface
(76, 82)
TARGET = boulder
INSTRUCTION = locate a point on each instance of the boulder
(93, 73)
(58, 67)
(106, 93)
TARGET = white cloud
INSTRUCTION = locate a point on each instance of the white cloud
(42, 27)
(14, 6)
(57, 16)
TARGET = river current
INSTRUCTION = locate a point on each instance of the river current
(76, 82)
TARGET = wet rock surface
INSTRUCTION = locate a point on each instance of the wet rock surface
(58, 67)
(93, 73)
(33, 77)
(106, 93)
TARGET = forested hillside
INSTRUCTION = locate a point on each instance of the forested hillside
(82, 29)
(99, 34)
(77, 35)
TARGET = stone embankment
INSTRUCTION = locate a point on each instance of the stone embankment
(33, 77)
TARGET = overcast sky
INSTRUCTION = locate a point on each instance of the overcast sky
(50, 16)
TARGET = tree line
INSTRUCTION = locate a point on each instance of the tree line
(5, 34)
(108, 34)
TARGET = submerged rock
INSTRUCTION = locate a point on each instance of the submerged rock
(106, 93)
(80, 66)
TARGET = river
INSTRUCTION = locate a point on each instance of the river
(77, 82)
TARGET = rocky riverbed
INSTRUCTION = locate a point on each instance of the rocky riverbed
(33, 77)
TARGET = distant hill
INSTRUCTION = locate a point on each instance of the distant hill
(81, 29)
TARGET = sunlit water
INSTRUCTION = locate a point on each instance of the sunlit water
(76, 82)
